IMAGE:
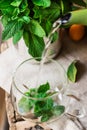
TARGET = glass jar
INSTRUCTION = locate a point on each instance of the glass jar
(38, 90)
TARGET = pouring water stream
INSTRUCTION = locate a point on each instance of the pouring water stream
(56, 26)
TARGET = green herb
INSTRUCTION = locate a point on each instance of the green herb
(11, 28)
(44, 3)
(58, 110)
(35, 28)
(40, 101)
(33, 19)
(25, 105)
(72, 71)
(17, 36)
(46, 116)
(44, 88)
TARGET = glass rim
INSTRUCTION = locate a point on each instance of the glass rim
(35, 58)
(39, 99)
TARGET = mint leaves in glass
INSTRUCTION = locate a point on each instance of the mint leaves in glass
(41, 102)
(37, 90)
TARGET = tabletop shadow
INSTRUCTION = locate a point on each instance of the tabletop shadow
(81, 70)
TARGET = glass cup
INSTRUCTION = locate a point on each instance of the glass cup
(37, 90)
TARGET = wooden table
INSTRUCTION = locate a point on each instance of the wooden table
(70, 50)
(3, 117)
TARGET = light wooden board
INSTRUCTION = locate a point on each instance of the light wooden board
(2, 109)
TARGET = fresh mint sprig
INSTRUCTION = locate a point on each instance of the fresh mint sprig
(32, 20)
(41, 102)
(72, 71)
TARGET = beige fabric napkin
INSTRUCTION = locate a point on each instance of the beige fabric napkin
(8, 63)
(65, 124)
(9, 60)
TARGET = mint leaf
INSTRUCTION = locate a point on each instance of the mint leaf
(72, 71)
(38, 108)
(24, 7)
(44, 88)
(17, 36)
(47, 25)
(62, 6)
(48, 104)
(46, 116)
(15, 13)
(11, 28)
(4, 20)
(26, 37)
(4, 4)
(65, 6)
(26, 19)
(8, 11)
(40, 95)
(44, 3)
(16, 3)
(32, 91)
(24, 105)
(58, 110)
(36, 28)
(42, 107)
(36, 45)
(50, 14)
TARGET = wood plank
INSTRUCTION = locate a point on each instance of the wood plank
(2, 109)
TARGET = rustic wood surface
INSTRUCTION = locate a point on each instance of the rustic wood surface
(3, 119)
(2, 108)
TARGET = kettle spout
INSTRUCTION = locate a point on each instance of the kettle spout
(74, 17)
(65, 19)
